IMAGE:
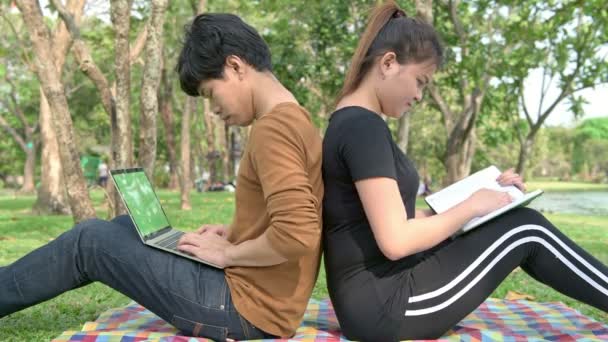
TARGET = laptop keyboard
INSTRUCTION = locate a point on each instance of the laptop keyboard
(170, 242)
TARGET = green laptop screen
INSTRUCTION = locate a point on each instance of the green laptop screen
(143, 205)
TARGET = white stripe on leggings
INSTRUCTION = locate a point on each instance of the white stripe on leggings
(494, 262)
(491, 249)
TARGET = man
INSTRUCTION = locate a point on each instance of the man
(271, 251)
(103, 173)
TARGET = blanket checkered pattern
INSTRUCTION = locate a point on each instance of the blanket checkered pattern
(494, 320)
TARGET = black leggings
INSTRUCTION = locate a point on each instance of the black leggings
(456, 278)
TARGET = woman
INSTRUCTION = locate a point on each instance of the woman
(393, 272)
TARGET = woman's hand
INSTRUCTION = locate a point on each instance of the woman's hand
(509, 177)
(485, 201)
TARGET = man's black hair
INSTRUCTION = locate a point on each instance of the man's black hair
(209, 40)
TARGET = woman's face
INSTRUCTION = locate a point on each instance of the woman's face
(401, 86)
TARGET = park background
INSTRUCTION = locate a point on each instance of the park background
(524, 85)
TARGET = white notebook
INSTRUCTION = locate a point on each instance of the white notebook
(448, 197)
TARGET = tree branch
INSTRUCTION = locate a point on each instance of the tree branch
(523, 103)
(476, 101)
(16, 108)
(586, 87)
(464, 50)
(520, 136)
(566, 90)
(12, 132)
(453, 4)
(448, 115)
(68, 19)
(85, 60)
(139, 44)
(20, 42)
(544, 89)
(565, 8)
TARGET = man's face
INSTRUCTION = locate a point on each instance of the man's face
(229, 98)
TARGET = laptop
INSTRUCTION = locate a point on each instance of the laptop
(146, 212)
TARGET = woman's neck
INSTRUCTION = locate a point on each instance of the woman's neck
(364, 96)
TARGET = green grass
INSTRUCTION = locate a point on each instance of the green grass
(565, 186)
(21, 232)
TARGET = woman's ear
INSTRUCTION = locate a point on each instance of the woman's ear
(388, 64)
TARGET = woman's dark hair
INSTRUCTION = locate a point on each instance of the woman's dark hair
(390, 29)
(209, 40)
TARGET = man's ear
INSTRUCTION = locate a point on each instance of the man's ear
(235, 65)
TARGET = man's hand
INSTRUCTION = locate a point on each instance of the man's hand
(208, 246)
(219, 229)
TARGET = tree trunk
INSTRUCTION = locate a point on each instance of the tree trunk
(198, 157)
(51, 197)
(459, 157)
(403, 132)
(424, 9)
(25, 142)
(202, 6)
(212, 152)
(149, 87)
(223, 149)
(29, 168)
(51, 193)
(186, 179)
(122, 146)
(167, 118)
(78, 196)
(524, 152)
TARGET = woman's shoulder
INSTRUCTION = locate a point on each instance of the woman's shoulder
(355, 118)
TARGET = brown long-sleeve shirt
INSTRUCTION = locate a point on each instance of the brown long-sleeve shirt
(279, 193)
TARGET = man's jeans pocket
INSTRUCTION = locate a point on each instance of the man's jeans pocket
(195, 329)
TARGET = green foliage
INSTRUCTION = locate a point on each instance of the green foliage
(426, 143)
(596, 128)
(590, 152)
(312, 43)
(552, 154)
(563, 39)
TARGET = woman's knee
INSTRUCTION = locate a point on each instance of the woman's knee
(532, 216)
(528, 216)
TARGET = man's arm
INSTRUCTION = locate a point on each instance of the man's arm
(215, 249)
(294, 230)
(255, 253)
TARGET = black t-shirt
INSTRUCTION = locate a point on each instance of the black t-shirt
(361, 280)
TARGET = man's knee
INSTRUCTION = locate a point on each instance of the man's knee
(123, 220)
(95, 231)
(89, 225)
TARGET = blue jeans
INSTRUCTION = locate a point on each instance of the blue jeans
(193, 297)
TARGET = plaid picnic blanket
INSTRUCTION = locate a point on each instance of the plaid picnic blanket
(494, 320)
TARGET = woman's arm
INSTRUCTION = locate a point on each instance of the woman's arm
(397, 236)
(420, 213)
